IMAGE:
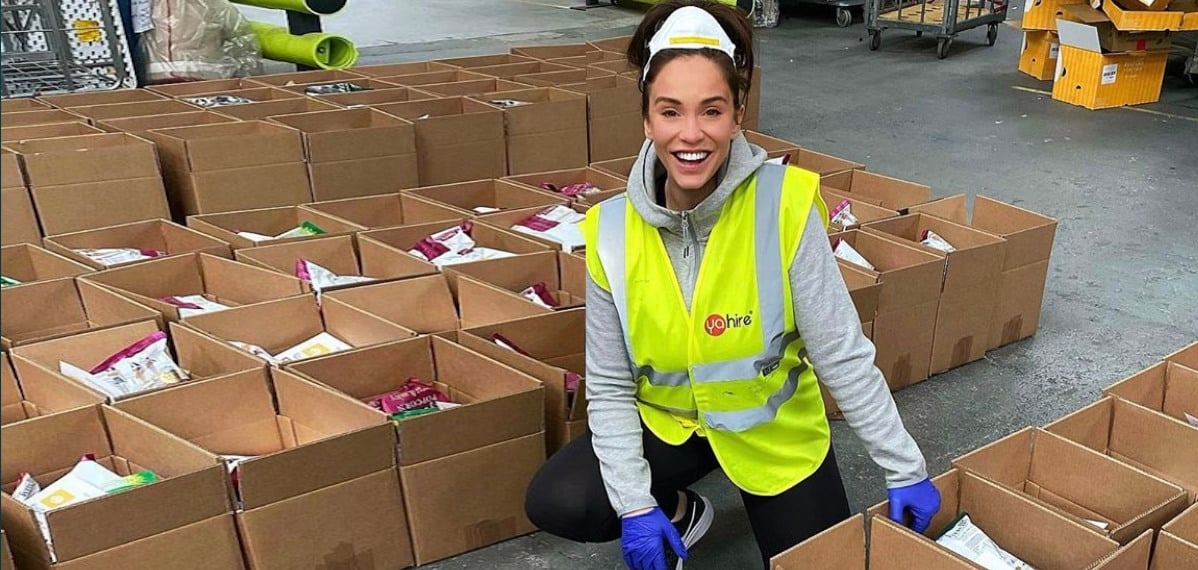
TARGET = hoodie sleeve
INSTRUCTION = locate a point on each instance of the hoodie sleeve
(843, 358)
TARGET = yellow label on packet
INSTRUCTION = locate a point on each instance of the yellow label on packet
(318, 349)
(88, 31)
(57, 499)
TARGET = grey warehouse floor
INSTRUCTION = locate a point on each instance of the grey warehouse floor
(1123, 283)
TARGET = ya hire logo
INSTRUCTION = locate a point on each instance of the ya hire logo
(716, 324)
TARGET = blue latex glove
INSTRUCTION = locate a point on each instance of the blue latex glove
(923, 501)
(644, 539)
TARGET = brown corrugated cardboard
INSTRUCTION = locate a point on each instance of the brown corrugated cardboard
(41, 117)
(83, 206)
(192, 488)
(865, 212)
(268, 222)
(823, 164)
(253, 94)
(279, 325)
(471, 87)
(307, 77)
(614, 124)
(608, 184)
(773, 146)
(1168, 387)
(211, 86)
(472, 62)
(617, 44)
(62, 307)
(18, 222)
(515, 274)
(211, 544)
(1104, 495)
(1187, 356)
(970, 287)
(1135, 435)
(890, 193)
(47, 131)
(376, 97)
(335, 253)
(221, 280)
(418, 80)
(90, 98)
(573, 269)
(41, 393)
(554, 51)
(559, 78)
(752, 118)
(10, 393)
(1029, 239)
(29, 263)
(843, 547)
(231, 145)
(483, 303)
(553, 346)
(512, 70)
(907, 302)
(22, 104)
(423, 304)
(409, 68)
(503, 195)
(267, 109)
(384, 211)
(1177, 544)
(6, 562)
(619, 67)
(457, 139)
(139, 125)
(368, 84)
(138, 109)
(401, 239)
(156, 235)
(549, 133)
(864, 290)
(11, 175)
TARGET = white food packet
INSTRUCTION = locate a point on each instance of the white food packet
(319, 345)
(846, 252)
(27, 487)
(969, 541)
(1191, 418)
(255, 237)
(486, 210)
(842, 215)
(255, 350)
(87, 480)
(451, 240)
(446, 405)
(556, 223)
(322, 278)
(782, 160)
(192, 305)
(144, 365)
(537, 293)
(116, 256)
(934, 241)
(476, 254)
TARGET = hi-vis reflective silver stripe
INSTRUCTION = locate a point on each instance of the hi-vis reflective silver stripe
(741, 420)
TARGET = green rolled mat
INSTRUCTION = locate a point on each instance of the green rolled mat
(322, 50)
(315, 7)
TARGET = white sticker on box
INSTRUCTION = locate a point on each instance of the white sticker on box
(1054, 51)
(1110, 72)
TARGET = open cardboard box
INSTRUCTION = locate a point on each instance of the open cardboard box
(314, 453)
(471, 87)
(368, 85)
(407, 68)
(553, 181)
(908, 300)
(494, 436)
(617, 44)
(1036, 534)
(63, 307)
(1088, 77)
(890, 193)
(11, 175)
(585, 60)
(483, 196)
(402, 239)
(1029, 238)
(422, 304)
(218, 279)
(773, 146)
(554, 51)
(29, 263)
(191, 488)
(308, 77)
(865, 212)
(226, 226)
(356, 152)
(554, 349)
(277, 326)
(335, 253)
(139, 125)
(384, 211)
(267, 109)
(573, 272)
(614, 123)
(91, 98)
(40, 117)
(843, 547)
(488, 291)
(579, 74)
(18, 223)
(970, 286)
(549, 133)
(41, 395)
(512, 70)
(50, 131)
(471, 62)
(863, 290)
(376, 97)
(1104, 495)
(1147, 440)
(188, 88)
(618, 67)
(1187, 356)
(137, 109)
(419, 80)
(156, 235)
(1110, 38)
(252, 94)
(1168, 387)
(23, 104)
(1177, 543)
(457, 139)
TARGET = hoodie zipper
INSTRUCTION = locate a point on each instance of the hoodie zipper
(689, 247)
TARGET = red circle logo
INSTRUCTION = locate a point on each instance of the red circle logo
(715, 325)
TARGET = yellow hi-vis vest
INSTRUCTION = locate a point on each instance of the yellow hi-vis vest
(733, 368)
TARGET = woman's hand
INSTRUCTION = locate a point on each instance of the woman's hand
(644, 539)
(922, 499)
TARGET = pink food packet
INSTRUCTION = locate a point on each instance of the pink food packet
(412, 395)
(455, 239)
(539, 294)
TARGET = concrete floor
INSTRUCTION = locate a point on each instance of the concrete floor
(1123, 283)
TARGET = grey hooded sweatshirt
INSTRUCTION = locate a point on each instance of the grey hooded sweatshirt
(841, 355)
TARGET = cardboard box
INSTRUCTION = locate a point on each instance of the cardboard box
(376, 97)
(387, 210)
(345, 448)
(773, 146)
(335, 253)
(139, 125)
(367, 84)
(907, 304)
(192, 488)
(1038, 56)
(621, 167)
(508, 220)
(1036, 534)
(550, 133)
(356, 152)
(615, 128)
(497, 432)
(1177, 543)
(476, 61)
(969, 290)
(157, 235)
(466, 197)
(6, 562)
(1168, 387)
(268, 222)
(616, 44)
(18, 222)
(560, 78)
(253, 94)
(554, 51)
(488, 292)
(22, 104)
(1147, 440)
(401, 239)
(188, 88)
(211, 544)
(1112, 39)
(47, 131)
(221, 280)
(11, 174)
(268, 109)
(91, 98)
(471, 87)
(511, 70)
(890, 193)
(62, 307)
(40, 117)
(423, 304)
(843, 547)
(1131, 16)
(554, 346)
(1043, 14)
(460, 140)
(619, 67)
(138, 109)
(1187, 356)
(308, 77)
(282, 324)
(552, 181)
(1087, 77)
(752, 118)
(76, 207)
(1096, 491)
(864, 290)
(865, 212)
(29, 263)
(409, 68)
(419, 80)
(1029, 239)
(40, 395)
(584, 61)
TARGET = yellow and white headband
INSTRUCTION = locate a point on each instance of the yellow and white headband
(689, 27)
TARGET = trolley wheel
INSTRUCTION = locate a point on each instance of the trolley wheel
(992, 34)
(844, 18)
(919, 33)
(875, 41)
(942, 46)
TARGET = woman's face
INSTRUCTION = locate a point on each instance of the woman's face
(691, 120)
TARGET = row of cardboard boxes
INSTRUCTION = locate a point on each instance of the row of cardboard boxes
(1103, 58)
(1111, 486)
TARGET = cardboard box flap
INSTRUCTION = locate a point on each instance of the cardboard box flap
(431, 77)
(226, 414)
(208, 86)
(46, 392)
(10, 391)
(90, 158)
(351, 134)
(895, 548)
(841, 547)
(155, 448)
(1029, 235)
(386, 210)
(89, 98)
(335, 253)
(1185, 526)
(280, 324)
(267, 109)
(136, 109)
(226, 226)
(39, 445)
(891, 193)
(398, 301)
(47, 131)
(157, 235)
(84, 350)
(237, 145)
(308, 77)
(407, 68)
(1078, 35)
(1167, 387)
(473, 87)
(474, 61)
(502, 194)
(60, 307)
(511, 273)
(553, 51)
(139, 125)
(360, 328)
(1173, 553)
(1134, 556)
(1187, 356)
(206, 357)
(28, 263)
(951, 208)
(371, 371)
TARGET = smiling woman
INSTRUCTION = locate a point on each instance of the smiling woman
(714, 309)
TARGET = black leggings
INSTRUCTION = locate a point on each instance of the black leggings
(567, 497)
